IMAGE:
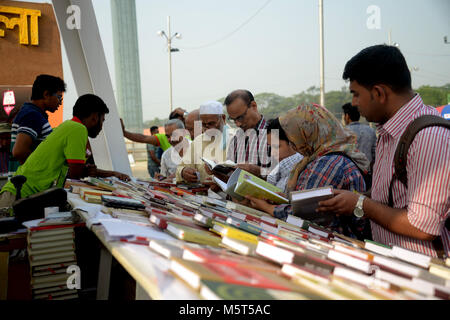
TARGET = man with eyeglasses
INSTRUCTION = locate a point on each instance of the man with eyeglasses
(212, 145)
(30, 127)
(248, 148)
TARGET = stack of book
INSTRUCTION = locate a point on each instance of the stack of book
(51, 251)
(223, 250)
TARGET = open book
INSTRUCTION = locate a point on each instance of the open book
(223, 168)
(304, 203)
(243, 183)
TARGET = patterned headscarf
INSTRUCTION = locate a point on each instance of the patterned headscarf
(316, 132)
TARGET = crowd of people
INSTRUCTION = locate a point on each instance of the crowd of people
(304, 148)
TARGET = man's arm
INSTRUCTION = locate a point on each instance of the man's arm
(137, 137)
(394, 220)
(106, 174)
(22, 148)
(77, 171)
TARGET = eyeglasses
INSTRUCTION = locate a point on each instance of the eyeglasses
(59, 97)
(241, 117)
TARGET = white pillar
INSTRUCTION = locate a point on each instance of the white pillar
(90, 72)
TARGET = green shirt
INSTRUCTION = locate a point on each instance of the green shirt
(47, 166)
(163, 141)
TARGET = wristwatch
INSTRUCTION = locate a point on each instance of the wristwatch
(359, 212)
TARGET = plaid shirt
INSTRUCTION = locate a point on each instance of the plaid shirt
(340, 173)
(251, 147)
(280, 175)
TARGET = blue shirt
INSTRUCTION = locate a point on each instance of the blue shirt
(367, 139)
(30, 120)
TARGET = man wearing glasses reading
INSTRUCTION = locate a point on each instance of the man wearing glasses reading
(30, 127)
(248, 148)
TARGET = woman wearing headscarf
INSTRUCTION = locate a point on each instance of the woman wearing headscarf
(330, 158)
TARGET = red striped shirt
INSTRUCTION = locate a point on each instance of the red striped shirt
(428, 195)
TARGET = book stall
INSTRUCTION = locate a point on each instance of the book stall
(179, 243)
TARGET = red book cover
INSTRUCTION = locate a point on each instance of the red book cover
(57, 227)
(162, 220)
(225, 257)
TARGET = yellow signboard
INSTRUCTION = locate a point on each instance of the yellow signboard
(22, 23)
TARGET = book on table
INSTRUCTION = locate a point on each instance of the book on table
(193, 235)
(225, 257)
(304, 203)
(194, 272)
(221, 168)
(243, 183)
(214, 290)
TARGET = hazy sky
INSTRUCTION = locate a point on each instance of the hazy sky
(276, 51)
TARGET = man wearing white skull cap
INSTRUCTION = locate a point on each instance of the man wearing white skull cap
(212, 145)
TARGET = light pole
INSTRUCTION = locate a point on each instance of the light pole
(169, 38)
(322, 58)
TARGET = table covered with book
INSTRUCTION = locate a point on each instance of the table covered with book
(179, 243)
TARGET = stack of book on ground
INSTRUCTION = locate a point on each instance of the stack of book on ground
(51, 251)
(223, 250)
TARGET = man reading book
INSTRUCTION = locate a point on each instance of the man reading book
(414, 216)
(210, 145)
(248, 148)
(63, 153)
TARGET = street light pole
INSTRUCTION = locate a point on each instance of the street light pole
(169, 38)
(169, 48)
(322, 56)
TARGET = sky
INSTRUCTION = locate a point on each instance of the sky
(269, 45)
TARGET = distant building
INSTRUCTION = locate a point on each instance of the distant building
(126, 57)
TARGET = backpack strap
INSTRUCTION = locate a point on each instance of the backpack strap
(401, 153)
(401, 158)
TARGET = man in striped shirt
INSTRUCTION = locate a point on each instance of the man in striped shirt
(248, 148)
(380, 82)
(30, 127)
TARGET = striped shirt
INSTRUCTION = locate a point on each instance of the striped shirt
(427, 198)
(280, 175)
(30, 120)
(251, 147)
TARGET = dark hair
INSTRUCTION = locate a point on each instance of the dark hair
(175, 115)
(245, 95)
(274, 124)
(153, 128)
(48, 83)
(87, 105)
(352, 112)
(380, 64)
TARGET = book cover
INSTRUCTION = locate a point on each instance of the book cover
(47, 245)
(239, 246)
(193, 235)
(228, 231)
(304, 203)
(47, 250)
(45, 262)
(213, 290)
(170, 249)
(56, 238)
(162, 220)
(225, 257)
(93, 192)
(250, 185)
(54, 255)
(350, 261)
(194, 272)
(242, 225)
(36, 234)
